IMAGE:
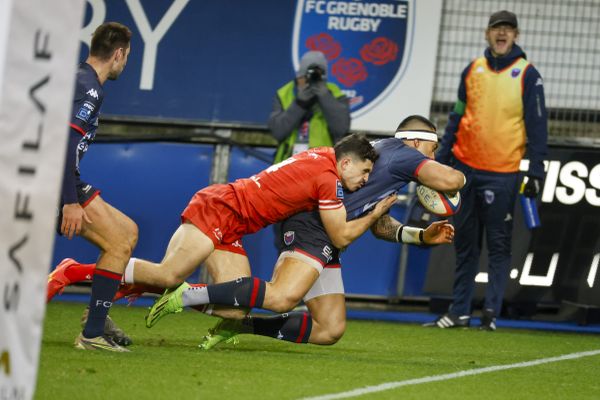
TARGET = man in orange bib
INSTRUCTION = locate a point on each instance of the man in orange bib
(500, 114)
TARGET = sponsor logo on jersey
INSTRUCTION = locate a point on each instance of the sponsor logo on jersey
(83, 114)
(92, 93)
(339, 191)
(218, 234)
(327, 253)
(288, 237)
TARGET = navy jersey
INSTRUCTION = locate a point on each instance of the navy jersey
(87, 101)
(86, 106)
(397, 165)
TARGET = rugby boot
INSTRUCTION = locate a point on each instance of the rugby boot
(169, 303)
(111, 329)
(226, 330)
(58, 280)
(488, 320)
(98, 343)
(450, 321)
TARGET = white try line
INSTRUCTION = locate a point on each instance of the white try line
(444, 377)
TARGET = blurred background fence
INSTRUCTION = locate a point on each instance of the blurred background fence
(560, 37)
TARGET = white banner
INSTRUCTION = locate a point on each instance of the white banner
(412, 92)
(39, 42)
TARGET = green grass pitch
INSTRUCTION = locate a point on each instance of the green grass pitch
(165, 362)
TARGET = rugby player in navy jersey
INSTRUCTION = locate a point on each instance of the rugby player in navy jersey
(82, 211)
(308, 267)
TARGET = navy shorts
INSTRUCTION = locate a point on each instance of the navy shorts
(304, 233)
(85, 194)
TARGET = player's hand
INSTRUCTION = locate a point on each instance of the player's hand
(384, 205)
(532, 187)
(72, 220)
(439, 232)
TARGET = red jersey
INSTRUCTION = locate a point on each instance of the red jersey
(301, 183)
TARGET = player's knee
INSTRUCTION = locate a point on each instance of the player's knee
(128, 234)
(282, 306)
(283, 302)
(124, 240)
(335, 333)
(117, 248)
(328, 333)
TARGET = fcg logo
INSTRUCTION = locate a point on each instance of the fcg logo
(366, 43)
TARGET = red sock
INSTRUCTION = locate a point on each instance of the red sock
(80, 272)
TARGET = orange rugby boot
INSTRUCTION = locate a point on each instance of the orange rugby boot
(66, 273)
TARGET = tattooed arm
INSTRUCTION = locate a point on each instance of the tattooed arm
(391, 230)
(386, 228)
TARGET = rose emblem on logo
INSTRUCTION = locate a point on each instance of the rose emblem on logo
(326, 44)
(366, 44)
(349, 71)
(379, 51)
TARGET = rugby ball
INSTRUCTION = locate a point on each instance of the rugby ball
(439, 203)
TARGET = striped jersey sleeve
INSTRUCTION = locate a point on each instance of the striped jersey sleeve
(329, 192)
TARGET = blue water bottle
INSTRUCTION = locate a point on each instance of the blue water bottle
(530, 211)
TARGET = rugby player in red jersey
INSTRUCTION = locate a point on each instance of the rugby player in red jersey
(220, 215)
(308, 267)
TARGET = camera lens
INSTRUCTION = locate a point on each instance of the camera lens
(313, 74)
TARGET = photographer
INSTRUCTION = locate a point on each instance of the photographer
(308, 111)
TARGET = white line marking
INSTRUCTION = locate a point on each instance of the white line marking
(460, 374)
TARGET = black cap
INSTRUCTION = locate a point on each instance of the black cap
(503, 17)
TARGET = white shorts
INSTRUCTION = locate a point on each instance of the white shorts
(329, 280)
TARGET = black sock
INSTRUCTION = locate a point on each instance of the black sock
(243, 292)
(292, 327)
(104, 286)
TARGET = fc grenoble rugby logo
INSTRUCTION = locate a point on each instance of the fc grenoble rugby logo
(366, 43)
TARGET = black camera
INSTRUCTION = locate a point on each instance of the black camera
(313, 74)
